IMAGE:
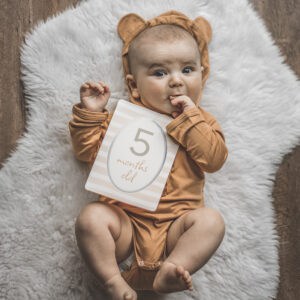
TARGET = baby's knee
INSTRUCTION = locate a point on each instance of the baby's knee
(95, 216)
(210, 219)
(215, 222)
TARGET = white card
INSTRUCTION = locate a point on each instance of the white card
(135, 157)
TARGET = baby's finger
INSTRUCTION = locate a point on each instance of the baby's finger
(174, 99)
(181, 97)
(105, 86)
(85, 86)
(100, 88)
(92, 84)
(102, 83)
(89, 83)
(96, 86)
(182, 101)
(177, 102)
(175, 114)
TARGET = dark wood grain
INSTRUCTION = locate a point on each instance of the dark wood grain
(287, 206)
(16, 18)
(282, 20)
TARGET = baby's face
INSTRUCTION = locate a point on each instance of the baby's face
(164, 69)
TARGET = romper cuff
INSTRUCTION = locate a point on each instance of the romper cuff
(190, 113)
(85, 114)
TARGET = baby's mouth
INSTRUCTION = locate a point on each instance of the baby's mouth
(174, 96)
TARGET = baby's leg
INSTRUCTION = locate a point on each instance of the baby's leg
(192, 240)
(104, 237)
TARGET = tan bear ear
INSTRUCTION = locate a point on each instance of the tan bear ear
(204, 27)
(129, 24)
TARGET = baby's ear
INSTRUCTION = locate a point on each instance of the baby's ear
(131, 83)
(129, 24)
(204, 27)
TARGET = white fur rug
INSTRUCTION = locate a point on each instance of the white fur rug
(252, 93)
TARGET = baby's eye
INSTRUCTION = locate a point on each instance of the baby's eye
(187, 69)
(159, 73)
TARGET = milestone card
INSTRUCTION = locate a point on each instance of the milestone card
(135, 157)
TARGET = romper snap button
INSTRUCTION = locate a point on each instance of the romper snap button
(141, 263)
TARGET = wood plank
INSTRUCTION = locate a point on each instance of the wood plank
(282, 20)
(281, 17)
(16, 18)
(287, 207)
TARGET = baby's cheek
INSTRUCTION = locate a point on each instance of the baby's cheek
(157, 89)
(149, 86)
(196, 93)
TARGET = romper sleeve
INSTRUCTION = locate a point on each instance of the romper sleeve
(87, 130)
(199, 133)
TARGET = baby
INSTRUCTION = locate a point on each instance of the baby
(165, 64)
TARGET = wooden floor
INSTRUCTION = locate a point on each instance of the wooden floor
(282, 19)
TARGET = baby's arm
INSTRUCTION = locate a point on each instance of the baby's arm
(90, 120)
(199, 133)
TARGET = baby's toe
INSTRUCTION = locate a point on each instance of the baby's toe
(180, 271)
(189, 284)
(188, 279)
(128, 296)
(186, 275)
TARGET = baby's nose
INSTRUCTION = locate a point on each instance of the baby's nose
(175, 81)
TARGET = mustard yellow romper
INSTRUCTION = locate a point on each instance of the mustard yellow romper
(201, 149)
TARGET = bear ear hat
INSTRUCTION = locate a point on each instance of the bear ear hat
(204, 27)
(129, 25)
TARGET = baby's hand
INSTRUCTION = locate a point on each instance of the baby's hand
(94, 95)
(183, 103)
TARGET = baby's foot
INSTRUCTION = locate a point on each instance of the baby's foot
(171, 278)
(118, 289)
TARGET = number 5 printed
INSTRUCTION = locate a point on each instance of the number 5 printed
(138, 139)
